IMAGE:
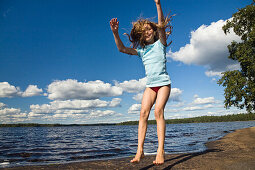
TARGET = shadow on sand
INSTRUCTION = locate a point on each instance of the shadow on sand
(184, 157)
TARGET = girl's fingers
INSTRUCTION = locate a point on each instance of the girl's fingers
(114, 23)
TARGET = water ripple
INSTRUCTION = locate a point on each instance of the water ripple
(45, 145)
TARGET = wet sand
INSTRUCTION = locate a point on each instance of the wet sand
(235, 151)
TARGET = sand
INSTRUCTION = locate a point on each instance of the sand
(235, 151)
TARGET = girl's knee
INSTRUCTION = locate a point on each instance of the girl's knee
(144, 114)
(159, 113)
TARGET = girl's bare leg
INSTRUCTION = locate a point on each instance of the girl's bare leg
(149, 97)
(162, 98)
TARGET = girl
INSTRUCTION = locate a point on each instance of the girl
(149, 43)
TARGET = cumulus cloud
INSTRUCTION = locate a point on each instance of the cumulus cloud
(135, 108)
(101, 113)
(213, 73)
(138, 97)
(7, 90)
(32, 90)
(132, 86)
(208, 47)
(115, 102)
(92, 115)
(77, 110)
(9, 111)
(201, 101)
(193, 108)
(198, 104)
(61, 116)
(72, 106)
(176, 94)
(11, 114)
(72, 89)
(2, 105)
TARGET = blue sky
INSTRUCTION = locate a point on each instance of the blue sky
(59, 62)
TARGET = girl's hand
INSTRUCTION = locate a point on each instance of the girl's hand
(114, 23)
(157, 1)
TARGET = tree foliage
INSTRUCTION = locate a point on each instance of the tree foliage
(202, 119)
(240, 84)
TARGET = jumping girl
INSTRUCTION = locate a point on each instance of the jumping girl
(149, 41)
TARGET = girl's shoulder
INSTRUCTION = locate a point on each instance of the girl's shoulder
(160, 43)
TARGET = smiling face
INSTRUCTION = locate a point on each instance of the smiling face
(144, 32)
(148, 34)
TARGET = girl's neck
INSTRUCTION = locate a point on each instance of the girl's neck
(149, 43)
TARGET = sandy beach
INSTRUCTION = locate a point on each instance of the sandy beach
(235, 151)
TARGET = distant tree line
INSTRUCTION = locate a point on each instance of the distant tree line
(52, 125)
(201, 119)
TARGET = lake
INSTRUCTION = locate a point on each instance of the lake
(20, 146)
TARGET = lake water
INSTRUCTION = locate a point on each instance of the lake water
(21, 146)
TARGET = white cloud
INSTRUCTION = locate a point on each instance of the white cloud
(1, 105)
(178, 105)
(207, 100)
(9, 111)
(208, 47)
(225, 112)
(33, 114)
(138, 97)
(101, 113)
(196, 96)
(192, 108)
(61, 116)
(7, 90)
(213, 73)
(92, 116)
(72, 89)
(198, 104)
(72, 111)
(8, 115)
(115, 102)
(77, 110)
(132, 86)
(176, 94)
(135, 108)
(32, 90)
(72, 106)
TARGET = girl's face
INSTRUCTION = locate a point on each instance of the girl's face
(148, 34)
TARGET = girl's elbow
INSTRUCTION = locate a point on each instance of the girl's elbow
(122, 50)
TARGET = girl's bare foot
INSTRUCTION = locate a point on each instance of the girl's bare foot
(160, 158)
(139, 155)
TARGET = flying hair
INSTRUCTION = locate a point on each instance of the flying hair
(136, 36)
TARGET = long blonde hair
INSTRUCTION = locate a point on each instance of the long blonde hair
(136, 36)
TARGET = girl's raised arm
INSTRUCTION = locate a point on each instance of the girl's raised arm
(114, 23)
(161, 20)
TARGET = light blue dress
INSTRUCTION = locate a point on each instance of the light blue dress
(154, 61)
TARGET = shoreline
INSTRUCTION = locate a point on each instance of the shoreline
(236, 150)
(200, 119)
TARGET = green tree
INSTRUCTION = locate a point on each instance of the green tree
(240, 84)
